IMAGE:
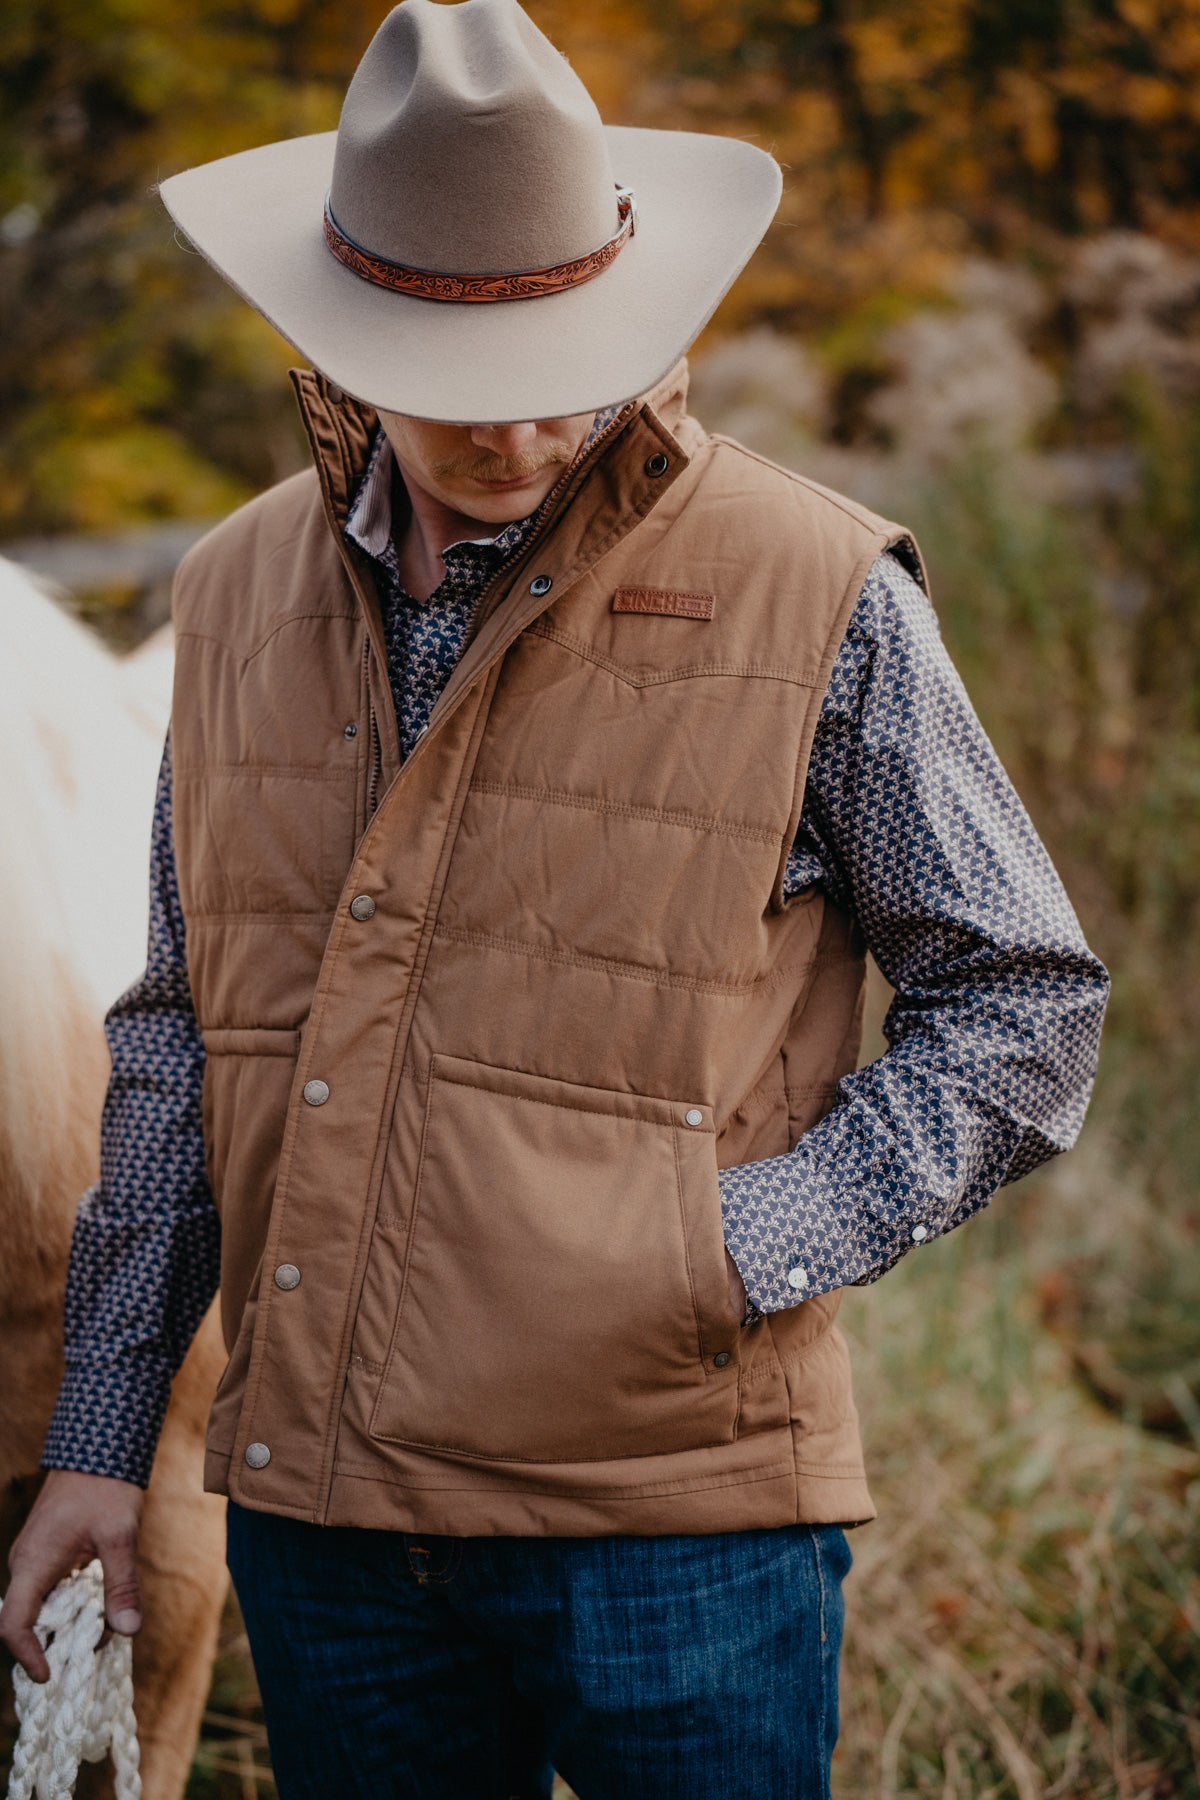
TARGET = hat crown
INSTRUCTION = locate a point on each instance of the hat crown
(467, 145)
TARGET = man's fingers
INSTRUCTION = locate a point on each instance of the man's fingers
(75, 1517)
(122, 1591)
(21, 1606)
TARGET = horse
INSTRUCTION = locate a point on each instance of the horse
(80, 739)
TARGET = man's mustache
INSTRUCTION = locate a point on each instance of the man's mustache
(503, 468)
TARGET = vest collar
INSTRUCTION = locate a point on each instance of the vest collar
(341, 430)
(622, 470)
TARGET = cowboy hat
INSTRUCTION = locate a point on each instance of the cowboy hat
(472, 244)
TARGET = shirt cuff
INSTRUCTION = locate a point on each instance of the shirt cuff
(792, 1240)
(108, 1417)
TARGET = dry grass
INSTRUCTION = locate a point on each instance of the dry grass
(1023, 1618)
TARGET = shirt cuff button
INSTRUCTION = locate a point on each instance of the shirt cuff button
(797, 1278)
(919, 1233)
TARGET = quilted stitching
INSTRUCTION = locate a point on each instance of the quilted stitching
(909, 822)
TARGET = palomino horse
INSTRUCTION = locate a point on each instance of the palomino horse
(80, 738)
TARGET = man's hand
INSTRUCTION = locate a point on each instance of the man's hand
(737, 1288)
(75, 1518)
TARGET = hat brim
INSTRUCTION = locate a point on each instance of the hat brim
(703, 202)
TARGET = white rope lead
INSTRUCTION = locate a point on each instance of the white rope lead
(86, 1707)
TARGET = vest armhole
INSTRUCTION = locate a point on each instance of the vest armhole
(902, 544)
(905, 548)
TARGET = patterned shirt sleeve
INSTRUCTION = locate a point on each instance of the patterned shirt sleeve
(912, 825)
(145, 1256)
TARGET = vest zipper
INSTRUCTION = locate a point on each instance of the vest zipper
(376, 753)
(374, 746)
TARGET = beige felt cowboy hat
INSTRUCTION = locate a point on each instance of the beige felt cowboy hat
(472, 244)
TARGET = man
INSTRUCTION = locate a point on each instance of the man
(533, 790)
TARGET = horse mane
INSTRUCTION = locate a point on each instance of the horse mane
(80, 742)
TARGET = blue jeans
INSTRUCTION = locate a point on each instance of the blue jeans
(403, 1666)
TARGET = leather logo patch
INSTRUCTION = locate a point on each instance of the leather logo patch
(664, 600)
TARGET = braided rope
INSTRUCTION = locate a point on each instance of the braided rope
(86, 1707)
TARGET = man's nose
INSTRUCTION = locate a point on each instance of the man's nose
(505, 440)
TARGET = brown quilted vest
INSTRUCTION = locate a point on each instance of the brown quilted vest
(481, 1029)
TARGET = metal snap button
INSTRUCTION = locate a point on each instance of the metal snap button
(722, 1359)
(335, 393)
(316, 1092)
(350, 730)
(287, 1277)
(362, 907)
(693, 1116)
(657, 464)
(541, 584)
(797, 1278)
(257, 1455)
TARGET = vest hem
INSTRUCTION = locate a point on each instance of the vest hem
(756, 1501)
(753, 1500)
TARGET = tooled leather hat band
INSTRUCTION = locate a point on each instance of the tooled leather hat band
(426, 284)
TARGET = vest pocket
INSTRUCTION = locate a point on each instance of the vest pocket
(564, 1294)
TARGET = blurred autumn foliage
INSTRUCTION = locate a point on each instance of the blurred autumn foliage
(979, 310)
(129, 387)
(914, 132)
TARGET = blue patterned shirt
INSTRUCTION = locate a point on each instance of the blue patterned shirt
(909, 822)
